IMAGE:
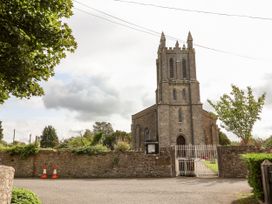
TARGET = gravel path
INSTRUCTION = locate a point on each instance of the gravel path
(145, 191)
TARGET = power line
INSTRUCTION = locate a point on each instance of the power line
(149, 31)
(117, 18)
(114, 22)
(197, 11)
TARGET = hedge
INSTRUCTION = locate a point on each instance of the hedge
(253, 162)
(24, 196)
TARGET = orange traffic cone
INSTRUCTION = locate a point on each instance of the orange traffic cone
(44, 174)
(55, 173)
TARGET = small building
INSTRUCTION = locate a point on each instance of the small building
(178, 116)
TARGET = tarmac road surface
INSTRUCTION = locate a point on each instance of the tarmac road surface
(179, 190)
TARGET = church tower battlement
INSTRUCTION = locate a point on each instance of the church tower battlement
(178, 116)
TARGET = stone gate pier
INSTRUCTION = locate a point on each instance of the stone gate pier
(6, 183)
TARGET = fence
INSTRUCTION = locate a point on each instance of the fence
(196, 160)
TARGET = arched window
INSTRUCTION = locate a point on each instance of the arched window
(184, 94)
(171, 65)
(146, 134)
(184, 69)
(180, 117)
(174, 94)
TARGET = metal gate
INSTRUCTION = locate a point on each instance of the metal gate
(196, 160)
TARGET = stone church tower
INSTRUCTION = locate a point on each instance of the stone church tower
(177, 117)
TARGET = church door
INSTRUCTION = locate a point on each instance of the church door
(180, 140)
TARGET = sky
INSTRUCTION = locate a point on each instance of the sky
(112, 74)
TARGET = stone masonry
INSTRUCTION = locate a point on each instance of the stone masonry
(108, 165)
(178, 116)
(6, 184)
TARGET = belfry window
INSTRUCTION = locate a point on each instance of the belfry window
(171, 65)
(184, 69)
(174, 94)
(184, 94)
(180, 116)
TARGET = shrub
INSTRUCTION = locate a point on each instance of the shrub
(91, 150)
(122, 146)
(24, 196)
(253, 162)
(223, 139)
(23, 151)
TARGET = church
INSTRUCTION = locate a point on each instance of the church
(177, 118)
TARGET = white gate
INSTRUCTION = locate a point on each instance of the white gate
(196, 160)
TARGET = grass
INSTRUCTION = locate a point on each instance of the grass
(246, 198)
(211, 165)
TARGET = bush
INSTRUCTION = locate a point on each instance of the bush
(91, 150)
(253, 162)
(23, 151)
(24, 196)
(223, 139)
(122, 146)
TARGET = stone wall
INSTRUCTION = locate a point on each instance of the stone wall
(6, 184)
(109, 165)
(230, 163)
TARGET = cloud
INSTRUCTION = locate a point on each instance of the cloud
(92, 98)
(265, 88)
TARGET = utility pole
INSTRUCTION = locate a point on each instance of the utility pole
(13, 135)
(30, 137)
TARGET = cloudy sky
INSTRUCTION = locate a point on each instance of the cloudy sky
(112, 73)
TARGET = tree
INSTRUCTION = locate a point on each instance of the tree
(268, 142)
(239, 111)
(223, 139)
(1, 132)
(102, 127)
(33, 40)
(49, 137)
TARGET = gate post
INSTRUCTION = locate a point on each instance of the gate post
(266, 168)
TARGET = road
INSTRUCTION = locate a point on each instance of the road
(130, 191)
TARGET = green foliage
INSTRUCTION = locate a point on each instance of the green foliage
(223, 139)
(49, 137)
(24, 196)
(268, 142)
(253, 162)
(88, 134)
(91, 150)
(109, 141)
(97, 139)
(122, 136)
(74, 142)
(33, 40)
(239, 111)
(1, 132)
(122, 146)
(211, 165)
(102, 127)
(23, 151)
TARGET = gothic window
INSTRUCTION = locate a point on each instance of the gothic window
(174, 94)
(180, 116)
(171, 65)
(147, 134)
(184, 69)
(184, 94)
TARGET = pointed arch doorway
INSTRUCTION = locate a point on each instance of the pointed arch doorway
(180, 140)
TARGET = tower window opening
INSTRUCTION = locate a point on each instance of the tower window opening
(171, 65)
(180, 116)
(174, 94)
(184, 69)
